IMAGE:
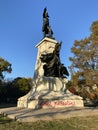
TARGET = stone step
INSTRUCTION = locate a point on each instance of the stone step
(31, 115)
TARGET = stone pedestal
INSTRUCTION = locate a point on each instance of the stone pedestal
(59, 103)
(48, 92)
(45, 46)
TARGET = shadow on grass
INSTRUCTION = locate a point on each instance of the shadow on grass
(6, 105)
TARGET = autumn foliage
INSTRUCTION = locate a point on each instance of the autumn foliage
(84, 65)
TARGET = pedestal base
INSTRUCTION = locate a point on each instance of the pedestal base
(55, 104)
(56, 101)
(36, 104)
(50, 92)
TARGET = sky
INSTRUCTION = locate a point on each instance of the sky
(21, 29)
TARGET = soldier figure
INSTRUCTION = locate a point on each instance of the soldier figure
(47, 31)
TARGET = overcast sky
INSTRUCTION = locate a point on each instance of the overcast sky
(21, 29)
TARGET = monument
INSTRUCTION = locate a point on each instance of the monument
(50, 76)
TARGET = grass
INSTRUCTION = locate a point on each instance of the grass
(77, 123)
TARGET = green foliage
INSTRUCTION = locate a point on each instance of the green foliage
(21, 86)
(5, 66)
(4, 90)
(10, 91)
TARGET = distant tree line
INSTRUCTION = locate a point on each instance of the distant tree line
(10, 91)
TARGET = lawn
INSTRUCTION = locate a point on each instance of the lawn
(77, 123)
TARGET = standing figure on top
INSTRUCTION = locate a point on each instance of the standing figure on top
(47, 31)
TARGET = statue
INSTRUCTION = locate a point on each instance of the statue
(49, 82)
(47, 31)
(53, 67)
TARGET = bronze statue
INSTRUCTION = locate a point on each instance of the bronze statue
(47, 31)
(53, 67)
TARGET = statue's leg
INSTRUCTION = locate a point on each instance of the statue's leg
(50, 31)
(44, 34)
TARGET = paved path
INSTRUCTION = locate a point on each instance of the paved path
(30, 115)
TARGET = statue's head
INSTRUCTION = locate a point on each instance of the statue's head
(46, 57)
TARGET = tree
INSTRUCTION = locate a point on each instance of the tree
(20, 86)
(5, 66)
(84, 65)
